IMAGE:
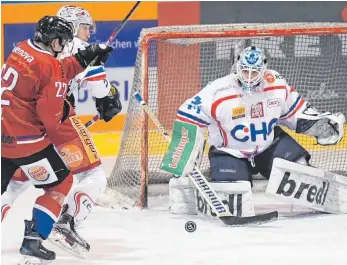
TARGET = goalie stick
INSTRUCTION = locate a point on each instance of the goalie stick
(110, 39)
(200, 182)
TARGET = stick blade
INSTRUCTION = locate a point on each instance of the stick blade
(249, 221)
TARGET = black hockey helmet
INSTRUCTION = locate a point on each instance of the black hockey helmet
(52, 27)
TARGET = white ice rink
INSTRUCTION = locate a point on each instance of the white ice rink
(147, 237)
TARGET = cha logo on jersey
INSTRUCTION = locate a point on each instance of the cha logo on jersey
(243, 133)
(38, 173)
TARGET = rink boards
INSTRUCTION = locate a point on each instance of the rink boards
(108, 143)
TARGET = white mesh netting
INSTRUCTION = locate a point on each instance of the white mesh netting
(183, 59)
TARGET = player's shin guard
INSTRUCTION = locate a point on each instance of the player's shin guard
(47, 207)
(91, 184)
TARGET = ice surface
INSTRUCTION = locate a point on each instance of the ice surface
(155, 236)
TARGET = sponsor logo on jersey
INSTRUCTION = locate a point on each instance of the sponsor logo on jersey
(275, 102)
(314, 194)
(86, 140)
(5, 139)
(179, 149)
(39, 173)
(238, 112)
(257, 111)
(72, 155)
(28, 57)
(244, 133)
(269, 77)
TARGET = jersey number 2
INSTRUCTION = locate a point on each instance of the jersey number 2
(5, 75)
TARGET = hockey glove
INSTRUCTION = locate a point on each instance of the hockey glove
(328, 128)
(109, 106)
(85, 57)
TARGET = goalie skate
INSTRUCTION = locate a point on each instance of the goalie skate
(65, 236)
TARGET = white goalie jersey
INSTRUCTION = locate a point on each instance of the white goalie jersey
(242, 124)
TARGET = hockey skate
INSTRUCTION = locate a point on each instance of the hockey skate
(32, 250)
(65, 236)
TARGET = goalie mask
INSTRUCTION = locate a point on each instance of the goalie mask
(77, 16)
(250, 68)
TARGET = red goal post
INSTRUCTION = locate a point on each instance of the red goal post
(192, 53)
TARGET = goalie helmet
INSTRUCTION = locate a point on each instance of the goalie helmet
(250, 68)
(77, 16)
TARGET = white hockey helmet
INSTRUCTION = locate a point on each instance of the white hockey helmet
(250, 68)
(77, 16)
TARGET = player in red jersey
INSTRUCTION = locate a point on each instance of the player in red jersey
(34, 84)
(75, 144)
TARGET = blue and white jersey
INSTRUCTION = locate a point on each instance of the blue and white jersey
(242, 124)
(92, 79)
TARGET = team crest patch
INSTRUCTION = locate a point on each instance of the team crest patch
(238, 112)
(39, 173)
(257, 111)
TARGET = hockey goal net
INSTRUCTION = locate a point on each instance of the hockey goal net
(173, 63)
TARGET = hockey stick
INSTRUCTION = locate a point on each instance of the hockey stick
(110, 39)
(200, 182)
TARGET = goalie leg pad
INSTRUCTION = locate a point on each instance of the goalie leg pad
(225, 167)
(185, 199)
(182, 196)
(308, 187)
(237, 196)
(283, 146)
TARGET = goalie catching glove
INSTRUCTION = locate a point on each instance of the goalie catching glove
(109, 106)
(328, 128)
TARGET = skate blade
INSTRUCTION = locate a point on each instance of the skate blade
(30, 260)
(76, 249)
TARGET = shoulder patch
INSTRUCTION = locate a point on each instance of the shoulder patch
(269, 77)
